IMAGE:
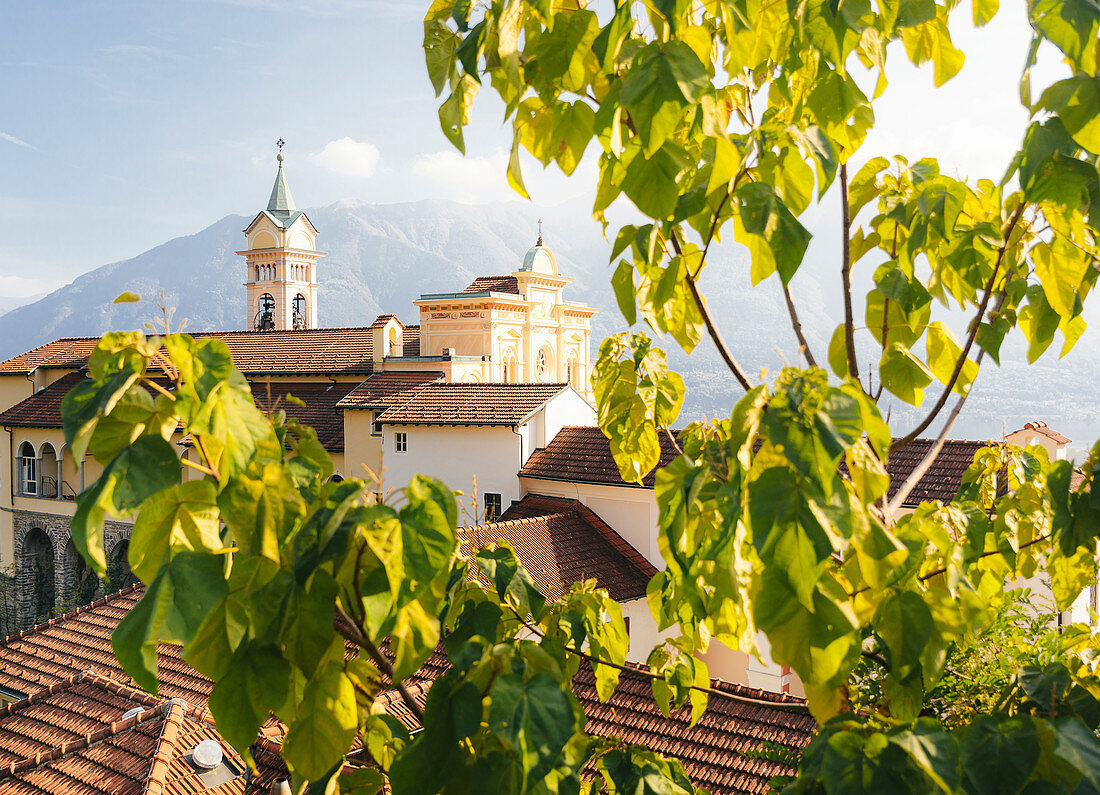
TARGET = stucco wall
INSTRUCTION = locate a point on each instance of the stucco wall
(632, 512)
(460, 457)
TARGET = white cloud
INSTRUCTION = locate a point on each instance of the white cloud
(471, 180)
(11, 139)
(348, 158)
(22, 287)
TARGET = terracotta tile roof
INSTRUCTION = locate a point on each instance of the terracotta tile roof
(712, 750)
(582, 453)
(73, 738)
(43, 408)
(496, 284)
(561, 542)
(942, 480)
(1042, 429)
(327, 350)
(319, 411)
(472, 404)
(410, 341)
(388, 388)
(382, 320)
(44, 655)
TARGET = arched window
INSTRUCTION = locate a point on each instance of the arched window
(572, 373)
(48, 472)
(299, 305)
(392, 346)
(28, 470)
(265, 315)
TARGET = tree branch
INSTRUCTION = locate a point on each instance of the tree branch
(652, 676)
(797, 326)
(350, 630)
(846, 275)
(975, 324)
(708, 321)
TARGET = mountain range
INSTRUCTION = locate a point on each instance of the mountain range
(381, 257)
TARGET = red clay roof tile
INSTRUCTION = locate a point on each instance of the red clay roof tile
(331, 351)
(471, 404)
(496, 284)
(388, 388)
(43, 408)
(561, 542)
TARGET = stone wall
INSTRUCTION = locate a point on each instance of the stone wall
(27, 604)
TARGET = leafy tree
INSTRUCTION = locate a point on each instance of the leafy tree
(267, 571)
(779, 521)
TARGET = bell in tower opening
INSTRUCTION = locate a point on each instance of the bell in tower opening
(281, 263)
(265, 317)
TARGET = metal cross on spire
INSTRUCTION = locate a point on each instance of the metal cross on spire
(280, 143)
(539, 243)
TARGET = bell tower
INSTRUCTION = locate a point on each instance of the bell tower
(280, 263)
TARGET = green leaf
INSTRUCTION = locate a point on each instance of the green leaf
(135, 474)
(254, 685)
(534, 717)
(1077, 103)
(774, 236)
(943, 354)
(904, 624)
(1077, 745)
(622, 282)
(184, 516)
(325, 725)
(932, 750)
(440, 44)
(437, 756)
(171, 609)
(84, 405)
(903, 374)
(650, 182)
(983, 11)
(454, 114)
(1070, 25)
(664, 79)
(127, 298)
(997, 759)
(261, 512)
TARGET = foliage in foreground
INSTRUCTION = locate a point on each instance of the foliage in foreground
(777, 522)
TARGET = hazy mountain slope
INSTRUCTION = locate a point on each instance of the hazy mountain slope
(382, 257)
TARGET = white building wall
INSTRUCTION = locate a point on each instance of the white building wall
(567, 408)
(631, 511)
(471, 459)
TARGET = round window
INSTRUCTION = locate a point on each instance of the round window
(541, 365)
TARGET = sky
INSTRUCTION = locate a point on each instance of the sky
(125, 124)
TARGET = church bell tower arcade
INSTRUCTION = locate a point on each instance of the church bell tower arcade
(281, 264)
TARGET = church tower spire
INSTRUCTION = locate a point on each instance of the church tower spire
(281, 263)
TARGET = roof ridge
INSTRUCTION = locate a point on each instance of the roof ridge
(100, 602)
(89, 676)
(516, 522)
(166, 746)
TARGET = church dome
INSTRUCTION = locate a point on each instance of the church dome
(540, 259)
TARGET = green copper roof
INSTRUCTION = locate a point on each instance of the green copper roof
(281, 203)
